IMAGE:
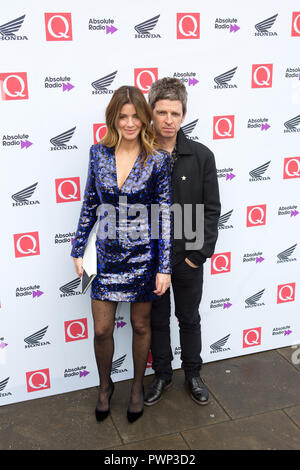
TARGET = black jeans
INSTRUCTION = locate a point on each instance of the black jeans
(187, 288)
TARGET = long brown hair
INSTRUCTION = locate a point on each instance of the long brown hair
(129, 95)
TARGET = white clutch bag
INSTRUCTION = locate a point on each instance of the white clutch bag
(89, 263)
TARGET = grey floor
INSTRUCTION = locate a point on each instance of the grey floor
(255, 404)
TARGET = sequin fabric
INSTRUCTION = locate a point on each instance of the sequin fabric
(130, 248)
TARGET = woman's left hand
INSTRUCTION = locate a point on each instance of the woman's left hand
(162, 283)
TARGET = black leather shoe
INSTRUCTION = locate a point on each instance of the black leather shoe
(154, 393)
(102, 415)
(199, 392)
(132, 416)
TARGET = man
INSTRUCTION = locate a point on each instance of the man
(194, 181)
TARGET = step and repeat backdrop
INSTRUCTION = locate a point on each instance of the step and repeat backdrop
(60, 64)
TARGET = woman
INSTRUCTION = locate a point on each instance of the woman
(125, 169)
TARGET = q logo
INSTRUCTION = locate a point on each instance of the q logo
(26, 244)
(262, 76)
(144, 78)
(296, 23)
(76, 330)
(14, 86)
(291, 168)
(188, 25)
(99, 131)
(58, 26)
(286, 293)
(221, 263)
(252, 337)
(256, 215)
(223, 127)
(38, 380)
(67, 189)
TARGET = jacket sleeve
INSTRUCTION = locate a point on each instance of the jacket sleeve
(88, 214)
(212, 208)
(163, 197)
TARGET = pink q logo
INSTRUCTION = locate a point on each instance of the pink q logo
(223, 127)
(58, 26)
(76, 330)
(144, 78)
(262, 76)
(26, 244)
(252, 337)
(188, 25)
(286, 293)
(99, 131)
(38, 380)
(291, 168)
(296, 23)
(221, 263)
(14, 86)
(67, 189)
(256, 215)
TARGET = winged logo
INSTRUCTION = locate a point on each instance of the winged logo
(3, 384)
(292, 123)
(117, 363)
(264, 25)
(62, 139)
(71, 286)
(188, 128)
(25, 194)
(146, 26)
(219, 344)
(104, 82)
(254, 298)
(225, 77)
(286, 253)
(257, 172)
(8, 29)
(224, 218)
(36, 337)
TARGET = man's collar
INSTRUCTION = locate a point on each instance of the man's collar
(182, 144)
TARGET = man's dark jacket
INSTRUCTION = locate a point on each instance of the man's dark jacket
(199, 185)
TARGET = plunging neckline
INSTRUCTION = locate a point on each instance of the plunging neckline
(116, 173)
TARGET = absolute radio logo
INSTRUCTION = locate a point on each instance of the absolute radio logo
(252, 337)
(258, 123)
(20, 139)
(188, 130)
(76, 371)
(256, 215)
(99, 131)
(101, 86)
(61, 238)
(291, 168)
(222, 81)
(223, 219)
(26, 244)
(286, 293)
(188, 78)
(60, 141)
(58, 26)
(263, 27)
(144, 29)
(8, 30)
(67, 189)
(229, 24)
(22, 198)
(223, 127)
(288, 210)
(262, 76)
(256, 256)
(188, 25)
(102, 24)
(33, 290)
(285, 255)
(221, 263)
(226, 173)
(296, 24)
(282, 330)
(76, 330)
(257, 173)
(223, 303)
(14, 86)
(64, 83)
(38, 380)
(144, 78)
(293, 72)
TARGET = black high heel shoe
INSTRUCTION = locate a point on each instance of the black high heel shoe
(101, 415)
(132, 416)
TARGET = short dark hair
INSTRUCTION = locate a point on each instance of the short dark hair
(168, 88)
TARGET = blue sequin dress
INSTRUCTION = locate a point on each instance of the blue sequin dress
(129, 258)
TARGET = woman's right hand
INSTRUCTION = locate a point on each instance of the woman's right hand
(78, 266)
